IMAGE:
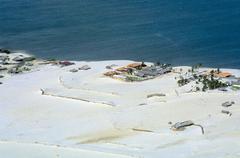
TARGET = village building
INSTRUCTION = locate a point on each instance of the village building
(222, 74)
(138, 72)
(136, 65)
(236, 84)
(66, 63)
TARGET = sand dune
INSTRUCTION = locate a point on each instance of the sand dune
(84, 114)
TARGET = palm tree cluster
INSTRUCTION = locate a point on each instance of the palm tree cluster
(211, 83)
(197, 66)
(208, 81)
(182, 82)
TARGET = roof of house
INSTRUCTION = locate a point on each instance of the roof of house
(66, 63)
(134, 65)
(236, 85)
(223, 74)
(111, 73)
(236, 82)
(121, 69)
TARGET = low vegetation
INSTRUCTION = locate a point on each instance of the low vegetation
(203, 81)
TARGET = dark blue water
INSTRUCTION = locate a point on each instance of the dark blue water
(176, 31)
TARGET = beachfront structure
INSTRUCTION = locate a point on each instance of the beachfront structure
(222, 74)
(138, 72)
(84, 67)
(122, 69)
(66, 63)
(111, 73)
(236, 84)
(136, 65)
(152, 71)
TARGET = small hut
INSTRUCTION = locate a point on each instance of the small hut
(66, 63)
(236, 84)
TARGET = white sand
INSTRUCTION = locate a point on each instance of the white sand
(85, 114)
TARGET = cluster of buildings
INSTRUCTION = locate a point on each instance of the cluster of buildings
(228, 78)
(138, 72)
(232, 81)
(223, 76)
(13, 63)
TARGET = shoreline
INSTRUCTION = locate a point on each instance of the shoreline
(62, 59)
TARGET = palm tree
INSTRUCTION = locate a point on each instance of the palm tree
(130, 71)
(212, 74)
(180, 70)
(143, 64)
(197, 89)
(192, 69)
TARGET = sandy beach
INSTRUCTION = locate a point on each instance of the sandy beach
(53, 112)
